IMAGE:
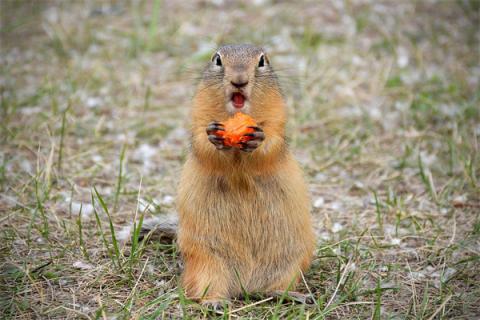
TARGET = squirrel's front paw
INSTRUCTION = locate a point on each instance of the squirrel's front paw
(255, 139)
(215, 132)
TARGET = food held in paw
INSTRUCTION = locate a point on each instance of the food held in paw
(236, 128)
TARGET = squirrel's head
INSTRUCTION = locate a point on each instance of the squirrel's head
(242, 76)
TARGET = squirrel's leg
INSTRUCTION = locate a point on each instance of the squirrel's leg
(287, 282)
(306, 261)
(204, 278)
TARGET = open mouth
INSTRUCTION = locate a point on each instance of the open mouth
(238, 100)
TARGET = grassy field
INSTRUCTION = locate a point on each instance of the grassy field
(384, 118)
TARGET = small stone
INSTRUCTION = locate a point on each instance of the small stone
(395, 241)
(82, 265)
(337, 227)
(319, 202)
(167, 200)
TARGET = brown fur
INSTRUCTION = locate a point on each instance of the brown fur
(244, 217)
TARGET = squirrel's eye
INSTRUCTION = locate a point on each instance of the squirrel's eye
(217, 60)
(261, 62)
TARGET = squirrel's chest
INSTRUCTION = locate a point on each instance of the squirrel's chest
(245, 191)
(237, 200)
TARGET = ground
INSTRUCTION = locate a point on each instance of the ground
(384, 119)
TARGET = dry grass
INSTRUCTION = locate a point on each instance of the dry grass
(384, 119)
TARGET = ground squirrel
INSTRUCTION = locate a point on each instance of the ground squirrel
(244, 220)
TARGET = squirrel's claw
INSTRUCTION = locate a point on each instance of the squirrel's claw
(217, 141)
(213, 127)
(256, 138)
(257, 129)
(258, 135)
(250, 146)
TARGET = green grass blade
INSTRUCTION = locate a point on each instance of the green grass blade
(116, 249)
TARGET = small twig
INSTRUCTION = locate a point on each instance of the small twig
(251, 305)
(41, 266)
(138, 280)
(12, 200)
(345, 270)
(441, 307)
(308, 288)
(99, 300)
(71, 310)
(138, 198)
(414, 292)
(454, 229)
(350, 304)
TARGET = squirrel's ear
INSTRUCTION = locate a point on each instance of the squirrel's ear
(263, 60)
(216, 59)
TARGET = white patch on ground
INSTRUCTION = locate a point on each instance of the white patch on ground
(205, 48)
(10, 201)
(428, 158)
(93, 102)
(325, 236)
(150, 269)
(167, 200)
(335, 205)
(85, 208)
(97, 158)
(459, 200)
(143, 205)
(51, 15)
(28, 111)
(477, 130)
(383, 269)
(337, 227)
(395, 241)
(174, 141)
(82, 265)
(401, 106)
(150, 206)
(352, 267)
(320, 177)
(442, 276)
(283, 41)
(188, 28)
(389, 229)
(359, 185)
(358, 61)
(402, 57)
(144, 154)
(124, 234)
(417, 275)
(319, 202)
(448, 110)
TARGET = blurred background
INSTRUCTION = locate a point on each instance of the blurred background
(383, 99)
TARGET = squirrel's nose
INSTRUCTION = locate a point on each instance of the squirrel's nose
(239, 84)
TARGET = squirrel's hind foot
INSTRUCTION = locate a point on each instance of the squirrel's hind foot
(216, 305)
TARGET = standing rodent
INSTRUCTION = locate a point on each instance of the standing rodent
(243, 214)
(244, 220)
